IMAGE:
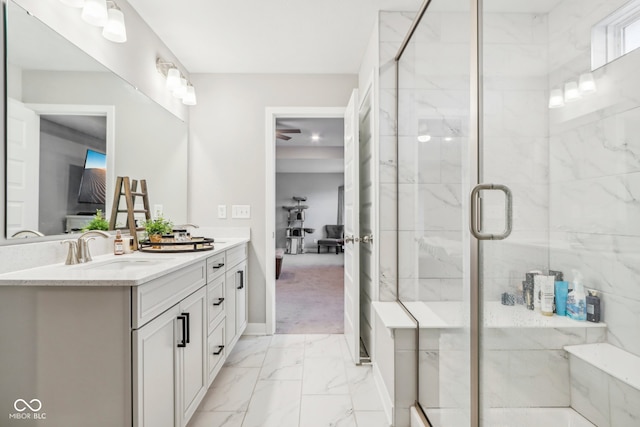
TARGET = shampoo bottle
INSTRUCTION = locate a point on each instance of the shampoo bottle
(593, 307)
(547, 294)
(576, 303)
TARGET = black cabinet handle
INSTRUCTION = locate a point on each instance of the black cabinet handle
(219, 301)
(182, 342)
(220, 348)
(219, 265)
(241, 272)
(186, 315)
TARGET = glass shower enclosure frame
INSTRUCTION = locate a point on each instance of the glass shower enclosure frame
(506, 186)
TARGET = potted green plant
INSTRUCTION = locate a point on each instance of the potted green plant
(99, 222)
(155, 228)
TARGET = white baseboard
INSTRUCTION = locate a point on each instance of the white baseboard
(387, 404)
(256, 329)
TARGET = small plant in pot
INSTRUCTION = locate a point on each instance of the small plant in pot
(99, 222)
(155, 228)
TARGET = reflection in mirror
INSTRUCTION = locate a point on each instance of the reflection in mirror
(64, 109)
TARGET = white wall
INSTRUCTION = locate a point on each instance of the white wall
(227, 150)
(321, 190)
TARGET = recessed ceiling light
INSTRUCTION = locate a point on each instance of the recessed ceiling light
(315, 137)
(424, 138)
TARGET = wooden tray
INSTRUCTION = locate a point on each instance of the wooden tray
(196, 244)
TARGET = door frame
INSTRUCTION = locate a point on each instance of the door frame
(271, 114)
(107, 111)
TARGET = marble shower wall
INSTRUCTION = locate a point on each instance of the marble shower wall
(434, 101)
(515, 146)
(594, 170)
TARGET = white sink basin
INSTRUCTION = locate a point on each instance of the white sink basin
(125, 264)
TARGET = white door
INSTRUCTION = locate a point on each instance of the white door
(23, 165)
(351, 229)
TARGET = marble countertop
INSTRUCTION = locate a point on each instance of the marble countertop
(114, 270)
(452, 314)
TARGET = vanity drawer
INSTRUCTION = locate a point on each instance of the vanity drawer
(152, 298)
(215, 266)
(216, 351)
(236, 255)
(215, 300)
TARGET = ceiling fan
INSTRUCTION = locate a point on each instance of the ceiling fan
(280, 133)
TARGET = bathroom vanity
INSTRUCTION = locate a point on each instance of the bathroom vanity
(132, 340)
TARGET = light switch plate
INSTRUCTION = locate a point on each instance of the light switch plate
(241, 211)
(222, 211)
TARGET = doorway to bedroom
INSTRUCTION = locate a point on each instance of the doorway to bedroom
(309, 165)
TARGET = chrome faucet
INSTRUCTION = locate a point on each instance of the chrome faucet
(83, 254)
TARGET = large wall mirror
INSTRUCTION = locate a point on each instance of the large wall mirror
(72, 127)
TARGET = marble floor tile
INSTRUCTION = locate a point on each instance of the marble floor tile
(216, 419)
(323, 346)
(324, 376)
(283, 364)
(371, 419)
(364, 392)
(288, 341)
(231, 390)
(249, 352)
(327, 411)
(274, 404)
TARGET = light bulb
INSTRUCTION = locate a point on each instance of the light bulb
(173, 79)
(95, 12)
(556, 99)
(181, 90)
(586, 83)
(73, 3)
(115, 29)
(190, 97)
(571, 91)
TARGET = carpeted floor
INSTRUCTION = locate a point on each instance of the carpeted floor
(310, 299)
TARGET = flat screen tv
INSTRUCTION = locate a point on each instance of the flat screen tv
(93, 185)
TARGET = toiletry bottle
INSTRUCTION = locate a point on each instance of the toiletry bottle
(118, 244)
(593, 307)
(562, 290)
(538, 280)
(547, 294)
(576, 303)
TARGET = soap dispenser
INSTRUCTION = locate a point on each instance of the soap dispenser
(118, 244)
(576, 301)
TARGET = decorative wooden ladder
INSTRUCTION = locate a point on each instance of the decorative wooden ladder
(128, 189)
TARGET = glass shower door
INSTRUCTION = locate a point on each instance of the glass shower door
(562, 136)
(433, 184)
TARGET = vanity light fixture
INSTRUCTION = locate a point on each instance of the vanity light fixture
(95, 12)
(181, 90)
(176, 83)
(115, 29)
(571, 91)
(102, 13)
(586, 83)
(190, 96)
(556, 98)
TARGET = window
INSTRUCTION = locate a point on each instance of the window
(616, 35)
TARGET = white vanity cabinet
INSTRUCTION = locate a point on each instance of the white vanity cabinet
(128, 349)
(169, 352)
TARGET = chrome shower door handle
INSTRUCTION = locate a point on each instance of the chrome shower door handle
(475, 220)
